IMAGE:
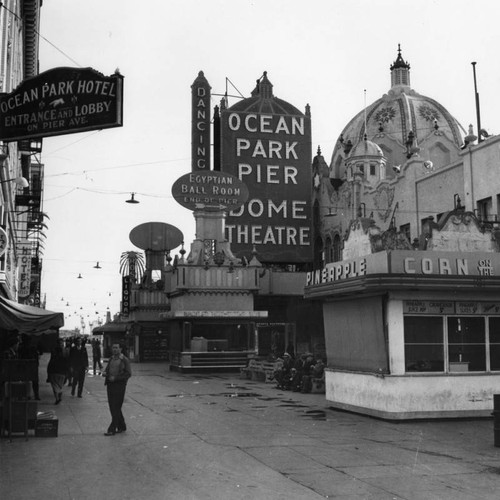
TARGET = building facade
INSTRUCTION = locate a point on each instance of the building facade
(21, 173)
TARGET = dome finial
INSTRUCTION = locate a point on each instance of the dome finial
(400, 71)
(263, 88)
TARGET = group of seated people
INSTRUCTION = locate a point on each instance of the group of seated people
(298, 374)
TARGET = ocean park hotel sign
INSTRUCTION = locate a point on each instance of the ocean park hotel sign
(61, 101)
(409, 263)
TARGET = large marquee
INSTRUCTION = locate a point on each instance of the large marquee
(271, 154)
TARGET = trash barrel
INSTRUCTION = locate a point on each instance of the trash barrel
(496, 419)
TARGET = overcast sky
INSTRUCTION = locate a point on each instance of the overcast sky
(319, 52)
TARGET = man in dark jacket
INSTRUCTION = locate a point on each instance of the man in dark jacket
(79, 362)
(117, 373)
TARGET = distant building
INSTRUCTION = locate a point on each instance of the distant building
(407, 260)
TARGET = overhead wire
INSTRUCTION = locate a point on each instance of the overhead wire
(130, 165)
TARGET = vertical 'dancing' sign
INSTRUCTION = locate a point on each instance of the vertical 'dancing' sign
(200, 125)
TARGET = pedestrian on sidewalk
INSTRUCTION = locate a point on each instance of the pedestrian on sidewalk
(79, 361)
(117, 373)
(96, 355)
(66, 349)
(56, 372)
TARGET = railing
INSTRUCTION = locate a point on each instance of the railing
(187, 360)
(245, 278)
(149, 299)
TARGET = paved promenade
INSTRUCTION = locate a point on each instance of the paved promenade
(218, 437)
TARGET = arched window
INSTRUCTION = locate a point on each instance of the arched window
(318, 253)
(316, 216)
(337, 248)
(328, 251)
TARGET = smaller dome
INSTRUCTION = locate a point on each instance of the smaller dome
(365, 148)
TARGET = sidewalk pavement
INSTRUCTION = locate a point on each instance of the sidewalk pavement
(215, 436)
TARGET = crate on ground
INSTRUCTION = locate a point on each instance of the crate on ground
(46, 424)
(19, 415)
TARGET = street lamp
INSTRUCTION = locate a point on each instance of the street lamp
(20, 181)
(132, 199)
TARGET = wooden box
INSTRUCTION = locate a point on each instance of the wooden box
(46, 425)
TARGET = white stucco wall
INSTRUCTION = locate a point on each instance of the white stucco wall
(415, 396)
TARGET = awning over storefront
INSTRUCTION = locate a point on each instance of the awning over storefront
(111, 328)
(28, 319)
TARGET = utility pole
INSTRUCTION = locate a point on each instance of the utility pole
(478, 114)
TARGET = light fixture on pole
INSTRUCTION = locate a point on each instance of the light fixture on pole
(132, 199)
(79, 276)
(20, 181)
(97, 266)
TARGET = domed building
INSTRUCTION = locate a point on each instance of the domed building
(406, 260)
(401, 139)
(402, 123)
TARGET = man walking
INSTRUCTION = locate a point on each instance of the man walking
(117, 373)
(96, 355)
(79, 362)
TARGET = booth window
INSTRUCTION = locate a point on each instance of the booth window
(494, 329)
(452, 344)
(467, 343)
(424, 343)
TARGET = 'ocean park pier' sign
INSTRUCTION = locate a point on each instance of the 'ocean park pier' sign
(61, 101)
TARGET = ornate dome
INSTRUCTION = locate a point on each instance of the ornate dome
(403, 124)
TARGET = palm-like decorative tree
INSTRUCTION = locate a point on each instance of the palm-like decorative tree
(134, 261)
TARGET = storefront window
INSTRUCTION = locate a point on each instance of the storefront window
(424, 346)
(494, 324)
(463, 346)
(466, 344)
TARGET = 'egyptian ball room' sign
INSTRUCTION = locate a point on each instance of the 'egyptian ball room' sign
(199, 190)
